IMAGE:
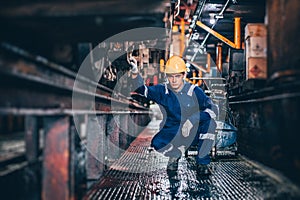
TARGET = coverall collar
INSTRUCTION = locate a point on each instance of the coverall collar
(184, 88)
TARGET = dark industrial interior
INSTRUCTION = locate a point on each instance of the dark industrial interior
(69, 123)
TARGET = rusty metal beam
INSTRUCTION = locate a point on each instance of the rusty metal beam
(53, 112)
(56, 159)
(49, 85)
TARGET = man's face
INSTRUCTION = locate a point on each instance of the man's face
(175, 80)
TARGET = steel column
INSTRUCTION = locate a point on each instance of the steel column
(112, 131)
(96, 147)
(31, 139)
(56, 160)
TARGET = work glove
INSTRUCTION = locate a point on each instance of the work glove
(133, 64)
(186, 128)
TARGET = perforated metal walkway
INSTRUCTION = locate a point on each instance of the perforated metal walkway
(142, 174)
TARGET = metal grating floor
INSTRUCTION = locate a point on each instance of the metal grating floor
(142, 174)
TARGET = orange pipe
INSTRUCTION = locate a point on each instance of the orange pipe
(219, 57)
(194, 76)
(182, 26)
(200, 76)
(208, 63)
(237, 32)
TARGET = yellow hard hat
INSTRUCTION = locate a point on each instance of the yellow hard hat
(175, 64)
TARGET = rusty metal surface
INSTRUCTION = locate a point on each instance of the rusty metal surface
(266, 120)
(25, 77)
(142, 174)
(283, 40)
(96, 145)
(56, 159)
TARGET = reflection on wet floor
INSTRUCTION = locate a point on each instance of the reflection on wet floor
(143, 174)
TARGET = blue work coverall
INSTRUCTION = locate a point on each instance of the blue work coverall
(190, 104)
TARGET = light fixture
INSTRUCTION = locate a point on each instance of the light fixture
(212, 19)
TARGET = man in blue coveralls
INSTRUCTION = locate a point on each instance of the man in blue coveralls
(188, 114)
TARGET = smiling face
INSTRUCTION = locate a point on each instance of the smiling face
(176, 81)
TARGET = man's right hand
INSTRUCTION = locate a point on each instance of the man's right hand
(133, 63)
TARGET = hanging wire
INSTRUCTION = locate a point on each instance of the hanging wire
(178, 8)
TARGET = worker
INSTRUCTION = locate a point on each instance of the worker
(188, 115)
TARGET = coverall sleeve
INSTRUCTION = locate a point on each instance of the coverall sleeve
(150, 92)
(204, 101)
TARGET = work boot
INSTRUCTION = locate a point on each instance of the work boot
(173, 163)
(203, 170)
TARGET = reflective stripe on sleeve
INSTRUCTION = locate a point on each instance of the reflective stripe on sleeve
(205, 136)
(167, 150)
(166, 89)
(211, 113)
(146, 91)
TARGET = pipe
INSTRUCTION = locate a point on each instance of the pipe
(200, 76)
(194, 75)
(237, 32)
(219, 57)
(208, 63)
(182, 26)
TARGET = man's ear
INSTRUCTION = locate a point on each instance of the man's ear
(184, 76)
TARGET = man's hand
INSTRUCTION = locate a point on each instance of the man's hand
(133, 63)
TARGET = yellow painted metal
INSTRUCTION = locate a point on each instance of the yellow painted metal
(200, 76)
(216, 34)
(223, 38)
(161, 65)
(175, 29)
(219, 57)
(182, 36)
(237, 32)
(194, 75)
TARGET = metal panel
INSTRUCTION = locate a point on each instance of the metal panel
(96, 146)
(56, 159)
(31, 138)
(113, 132)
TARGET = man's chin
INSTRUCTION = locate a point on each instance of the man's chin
(174, 87)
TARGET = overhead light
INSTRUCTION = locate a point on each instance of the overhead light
(212, 19)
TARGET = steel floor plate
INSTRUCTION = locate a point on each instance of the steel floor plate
(141, 173)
